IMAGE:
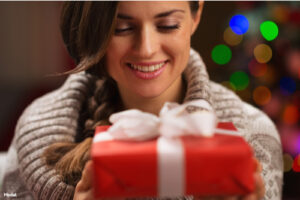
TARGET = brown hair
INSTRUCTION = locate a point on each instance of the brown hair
(87, 28)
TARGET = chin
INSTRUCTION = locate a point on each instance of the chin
(149, 93)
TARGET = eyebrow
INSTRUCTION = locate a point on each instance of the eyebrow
(160, 15)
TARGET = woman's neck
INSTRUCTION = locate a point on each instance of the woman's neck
(153, 105)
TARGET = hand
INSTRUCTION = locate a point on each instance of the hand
(84, 188)
(256, 195)
(259, 183)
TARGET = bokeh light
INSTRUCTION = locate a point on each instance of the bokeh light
(298, 142)
(296, 164)
(293, 63)
(257, 69)
(239, 80)
(280, 13)
(287, 85)
(290, 138)
(231, 38)
(262, 95)
(221, 54)
(269, 30)
(262, 53)
(288, 162)
(273, 108)
(239, 24)
(290, 114)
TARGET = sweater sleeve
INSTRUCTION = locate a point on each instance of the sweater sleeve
(258, 130)
(49, 119)
(262, 135)
(12, 185)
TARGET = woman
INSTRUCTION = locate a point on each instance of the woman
(135, 55)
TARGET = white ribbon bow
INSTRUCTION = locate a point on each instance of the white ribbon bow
(191, 118)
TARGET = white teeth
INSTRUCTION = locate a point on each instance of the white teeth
(149, 68)
(145, 69)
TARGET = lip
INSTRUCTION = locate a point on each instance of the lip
(148, 75)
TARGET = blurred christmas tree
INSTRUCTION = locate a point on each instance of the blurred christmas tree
(261, 52)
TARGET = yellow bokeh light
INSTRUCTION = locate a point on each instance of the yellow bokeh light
(262, 53)
(262, 95)
(231, 38)
(288, 162)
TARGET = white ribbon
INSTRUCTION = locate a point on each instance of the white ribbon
(192, 118)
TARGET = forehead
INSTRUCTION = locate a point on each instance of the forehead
(150, 8)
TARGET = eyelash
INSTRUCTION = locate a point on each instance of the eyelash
(176, 26)
(165, 28)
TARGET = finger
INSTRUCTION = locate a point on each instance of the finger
(83, 195)
(259, 167)
(260, 186)
(86, 181)
(259, 191)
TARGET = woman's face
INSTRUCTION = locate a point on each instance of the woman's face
(150, 47)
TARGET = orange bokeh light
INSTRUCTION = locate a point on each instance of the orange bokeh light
(262, 95)
(291, 114)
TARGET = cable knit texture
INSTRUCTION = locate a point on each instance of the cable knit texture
(53, 118)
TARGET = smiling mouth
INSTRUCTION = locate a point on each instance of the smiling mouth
(146, 68)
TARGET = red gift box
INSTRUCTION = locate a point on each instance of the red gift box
(191, 165)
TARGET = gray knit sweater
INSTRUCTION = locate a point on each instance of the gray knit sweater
(53, 118)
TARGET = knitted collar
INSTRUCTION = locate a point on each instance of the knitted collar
(197, 79)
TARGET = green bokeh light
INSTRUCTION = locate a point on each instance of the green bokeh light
(239, 80)
(269, 30)
(221, 54)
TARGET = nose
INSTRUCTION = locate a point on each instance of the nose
(147, 43)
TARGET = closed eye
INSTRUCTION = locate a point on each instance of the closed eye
(163, 28)
(176, 26)
(122, 30)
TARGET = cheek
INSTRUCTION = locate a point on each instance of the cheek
(114, 50)
(179, 45)
(114, 54)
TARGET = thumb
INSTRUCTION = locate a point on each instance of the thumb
(86, 181)
(257, 165)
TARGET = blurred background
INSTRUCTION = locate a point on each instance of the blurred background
(252, 48)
